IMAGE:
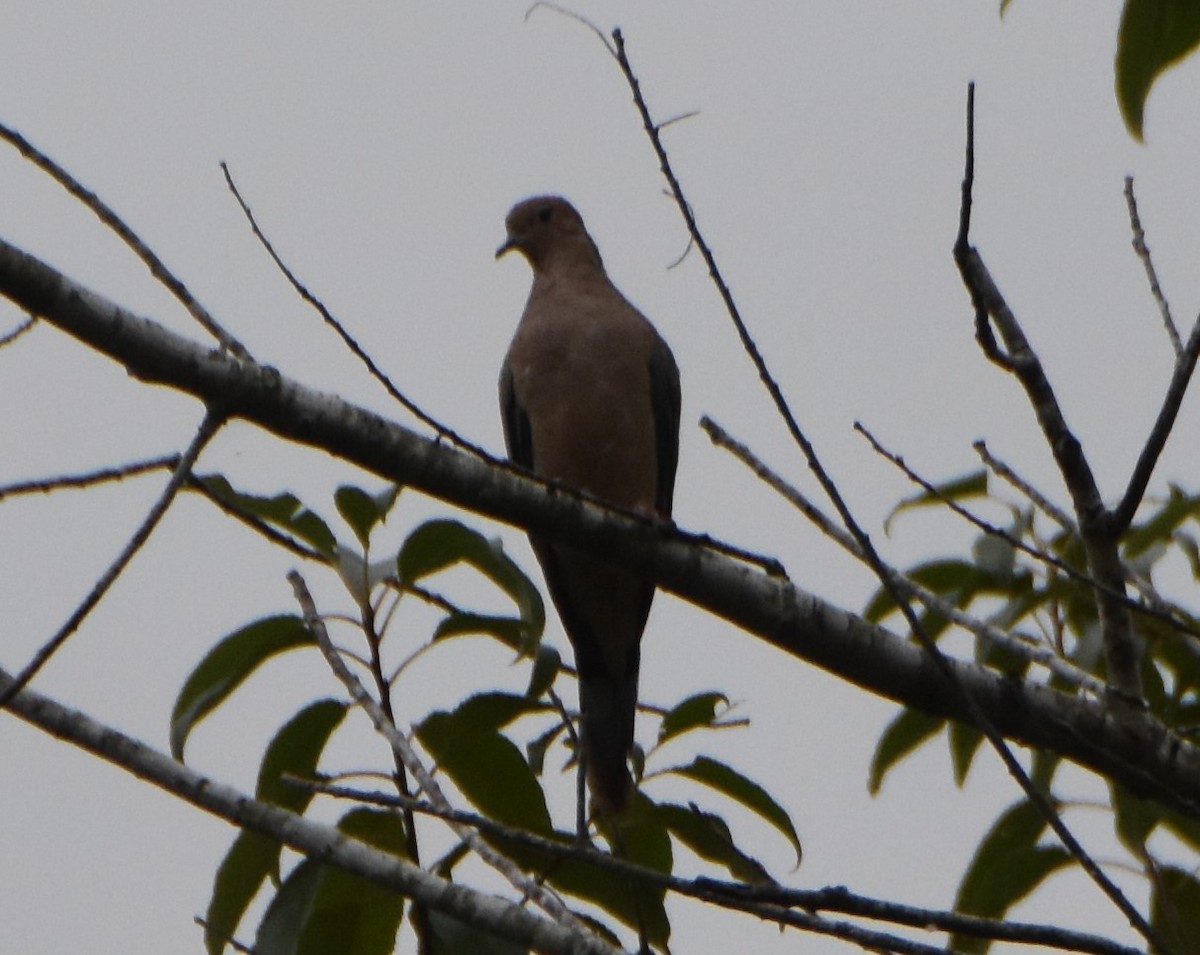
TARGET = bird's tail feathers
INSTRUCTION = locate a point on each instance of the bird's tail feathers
(607, 708)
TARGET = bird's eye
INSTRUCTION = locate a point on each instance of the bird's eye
(545, 212)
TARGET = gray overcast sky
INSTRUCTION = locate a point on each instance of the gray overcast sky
(381, 145)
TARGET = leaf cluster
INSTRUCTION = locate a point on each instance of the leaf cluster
(494, 746)
(1033, 585)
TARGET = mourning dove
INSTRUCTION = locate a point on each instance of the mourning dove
(589, 394)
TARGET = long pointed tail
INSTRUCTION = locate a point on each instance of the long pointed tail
(608, 707)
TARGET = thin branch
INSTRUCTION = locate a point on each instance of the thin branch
(1137, 750)
(347, 339)
(89, 478)
(208, 427)
(1023, 646)
(1013, 540)
(1096, 529)
(1143, 253)
(255, 523)
(1039, 500)
(1185, 365)
(742, 896)
(21, 329)
(486, 911)
(1068, 454)
(571, 14)
(404, 752)
(1103, 558)
(115, 223)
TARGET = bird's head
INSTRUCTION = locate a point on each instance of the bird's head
(549, 233)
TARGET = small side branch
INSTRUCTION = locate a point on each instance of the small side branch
(105, 214)
(1143, 253)
(208, 427)
(406, 755)
(1096, 526)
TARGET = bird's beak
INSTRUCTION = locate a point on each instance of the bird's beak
(508, 245)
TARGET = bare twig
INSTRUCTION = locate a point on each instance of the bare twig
(1096, 529)
(1185, 365)
(114, 222)
(89, 478)
(1021, 645)
(405, 753)
(500, 917)
(746, 897)
(208, 427)
(10, 337)
(1013, 540)
(347, 339)
(1039, 500)
(1031, 372)
(1143, 253)
(1103, 559)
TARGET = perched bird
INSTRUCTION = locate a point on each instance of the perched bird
(589, 394)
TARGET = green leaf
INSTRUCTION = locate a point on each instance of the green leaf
(486, 767)
(957, 580)
(284, 510)
(1135, 818)
(495, 710)
(964, 744)
(643, 838)
(296, 749)
(1007, 866)
(511, 631)
(321, 909)
(729, 782)
(1160, 527)
(439, 544)
(903, 735)
(708, 835)
(363, 512)
(1154, 35)
(956, 489)
(547, 662)
(226, 667)
(1175, 909)
(698, 710)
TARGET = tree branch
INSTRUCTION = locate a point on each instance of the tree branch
(1140, 753)
(488, 912)
(1095, 525)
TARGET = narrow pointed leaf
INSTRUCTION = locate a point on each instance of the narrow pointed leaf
(902, 736)
(1175, 909)
(1153, 36)
(439, 544)
(729, 782)
(511, 631)
(547, 662)
(1008, 865)
(285, 511)
(227, 666)
(708, 835)
(320, 908)
(964, 744)
(486, 767)
(296, 749)
(696, 711)
(956, 489)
